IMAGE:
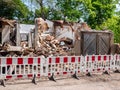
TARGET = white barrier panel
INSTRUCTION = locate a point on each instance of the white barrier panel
(64, 65)
(98, 63)
(13, 67)
(116, 62)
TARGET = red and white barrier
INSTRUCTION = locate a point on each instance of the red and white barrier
(13, 67)
(98, 63)
(31, 67)
(64, 65)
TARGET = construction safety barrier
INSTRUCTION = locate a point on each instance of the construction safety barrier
(98, 63)
(20, 68)
(32, 67)
(68, 65)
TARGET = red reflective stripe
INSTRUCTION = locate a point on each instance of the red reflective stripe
(65, 59)
(79, 59)
(9, 61)
(57, 60)
(58, 73)
(20, 60)
(38, 75)
(98, 69)
(99, 58)
(49, 74)
(64, 72)
(19, 76)
(93, 58)
(38, 60)
(50, 60)
(105, 58)
(30, 75)
(8, 77)
(30, 60)
(73, 59)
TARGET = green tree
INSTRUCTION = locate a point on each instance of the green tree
(14, 9)
(99, 11)
(69, 10)
(113, 24)
(39, 13)
(44, 8)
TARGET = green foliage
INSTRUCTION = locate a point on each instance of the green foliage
(99, 11)
(113, 24)
(69, 10)
(14, 9)
(39, 12)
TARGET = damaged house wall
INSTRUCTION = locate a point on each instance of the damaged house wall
(5, 33)
(6, 27)
(26, 34)
(60, 29)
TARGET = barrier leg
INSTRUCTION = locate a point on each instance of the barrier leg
(117, 71)
(89, 74)
(33, 80)
(3, 83)
(106, 72)
(75, 76)
(52, 77)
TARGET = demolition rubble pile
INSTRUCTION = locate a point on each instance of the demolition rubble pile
(53, 47)
(47, 45)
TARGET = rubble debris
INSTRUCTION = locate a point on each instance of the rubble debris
(115, 48)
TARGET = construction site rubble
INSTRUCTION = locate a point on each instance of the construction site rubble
(47, 45)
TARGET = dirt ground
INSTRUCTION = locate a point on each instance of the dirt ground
(96, 82)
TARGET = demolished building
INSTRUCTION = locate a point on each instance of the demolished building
(53, 38)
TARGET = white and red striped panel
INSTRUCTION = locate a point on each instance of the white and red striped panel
(64, 65)
(97, 63)
(19, 61)
(18, 67)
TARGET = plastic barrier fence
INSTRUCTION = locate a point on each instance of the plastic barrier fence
(98, 63)
(64, 65)
(18, 67)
